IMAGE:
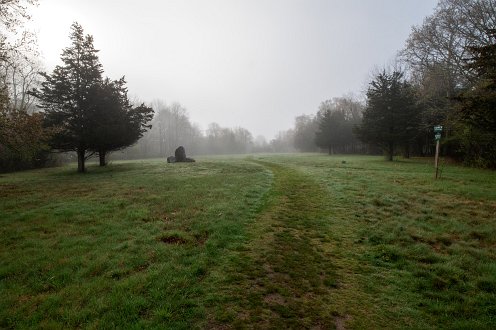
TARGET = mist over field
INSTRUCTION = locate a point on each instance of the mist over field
(251, 64)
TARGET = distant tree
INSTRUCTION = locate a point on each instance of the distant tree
(390, 119)
(171, 127)
(260, 144)
(243, 140)
(336, 119)
(283, 141)
(223, 140)
(115, 123)
(304, 133)
(332, 128)
(65, 96)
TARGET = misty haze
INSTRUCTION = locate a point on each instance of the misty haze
(228, 164)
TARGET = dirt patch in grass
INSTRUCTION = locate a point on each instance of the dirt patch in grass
(340, 322)
(175, 240)
(274, 299)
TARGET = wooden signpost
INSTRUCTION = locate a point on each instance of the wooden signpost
(437, 130)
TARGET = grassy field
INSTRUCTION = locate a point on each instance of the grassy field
(286, 241)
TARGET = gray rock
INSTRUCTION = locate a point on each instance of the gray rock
(180, 154)
(180, 157)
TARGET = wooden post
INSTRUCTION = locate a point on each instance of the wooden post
(437, 130)
(436, 159)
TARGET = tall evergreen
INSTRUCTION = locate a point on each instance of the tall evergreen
(391, 117)
(65, 95)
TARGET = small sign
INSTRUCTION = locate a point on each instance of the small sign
(438, 129)
(438, 136)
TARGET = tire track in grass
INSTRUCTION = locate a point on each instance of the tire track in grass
(282, 277)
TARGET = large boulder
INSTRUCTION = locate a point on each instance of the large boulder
(180, 157)
(180, 154)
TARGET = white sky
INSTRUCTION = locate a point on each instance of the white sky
(250, 63)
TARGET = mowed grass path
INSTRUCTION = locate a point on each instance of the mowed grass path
(283, 277)
(289, 241)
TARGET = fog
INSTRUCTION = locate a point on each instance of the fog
(254, 64)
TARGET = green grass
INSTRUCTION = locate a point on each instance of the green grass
(298, 241)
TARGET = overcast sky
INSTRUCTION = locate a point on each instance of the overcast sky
(250, 63)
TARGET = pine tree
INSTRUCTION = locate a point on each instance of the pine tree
(65, 95)
(391, 117)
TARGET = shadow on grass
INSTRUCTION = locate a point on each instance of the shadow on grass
(96, 170)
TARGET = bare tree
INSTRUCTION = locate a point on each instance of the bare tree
(20, 75)
(13, 15)
(436, 53)
(440, 45)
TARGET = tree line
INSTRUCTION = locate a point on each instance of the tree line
(172, 127)
(445, 75)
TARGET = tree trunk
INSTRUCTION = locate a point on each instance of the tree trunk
(330, 150)
(406, 153)
(80, 155)
(390, 152)
(102, 155)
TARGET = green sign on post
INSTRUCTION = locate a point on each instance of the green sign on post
(437, 129)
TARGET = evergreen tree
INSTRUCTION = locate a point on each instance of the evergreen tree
(65, 96)
(116, 124)
(391, 117)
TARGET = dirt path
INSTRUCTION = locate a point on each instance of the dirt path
(284, 278)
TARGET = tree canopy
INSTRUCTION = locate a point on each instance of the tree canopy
(477, 108)
(115, 123)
